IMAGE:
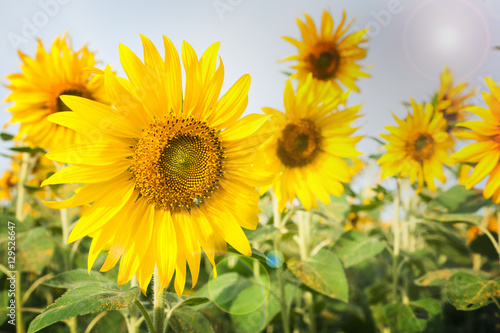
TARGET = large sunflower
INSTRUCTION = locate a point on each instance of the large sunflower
(418, 147)
(310, 144)
(36, 91)
(329, 55)
(451, 100)
(486, 151)
(168, 174)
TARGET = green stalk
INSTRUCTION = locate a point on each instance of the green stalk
(280, 272)
(23, 174)
(396, 233)
(158, 304)
(146, 316)
(305, 245)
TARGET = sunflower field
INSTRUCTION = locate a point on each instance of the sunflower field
(151, 195)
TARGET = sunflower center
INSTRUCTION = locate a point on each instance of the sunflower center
(299, 143)
(177, 163)
(423, 148)
(73, 90)
(324, 63)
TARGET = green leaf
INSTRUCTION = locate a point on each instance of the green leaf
(256, 254)
(32, 189)
(459, 200)
(336, 210)
(469, 292)
(440, 277)
(401, 318)
(262, 233)
(249, 299)
(323, 273)
(28, 150)
(6, 136)
(429, 309)
(187, 320)
(258, 319)
(174, 302)
(84, 300)
(34, 251)
(79, 278)
(354, 247)
(223, 289)
(456, 218)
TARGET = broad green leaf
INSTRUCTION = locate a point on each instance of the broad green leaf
(459, 200)
(402, 318)
(84, 300)
(469, 292)
(336, 210)
(249, 299)
(440, 277)
(35, 249)
(323, 273)
(79, 278)
(456, 218)
(262, 233)
(354, 247)
(223, 289)
(430, 310)
(431, 305)
(258, 319)
(187, 320)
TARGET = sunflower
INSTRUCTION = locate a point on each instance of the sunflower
(7, 183)
(310, 144)
(168, 174)
(418, 147)
(36, 91)
(330, 55)
(451, 100)
(486, 151)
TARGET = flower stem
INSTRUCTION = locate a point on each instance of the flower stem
(305, 243)
(280, 272)
(276, 212)
(396, 233)
(65, 225)
(146, 316)
(23, 174)
(158, 304)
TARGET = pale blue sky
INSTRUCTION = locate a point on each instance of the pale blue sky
(410, 42)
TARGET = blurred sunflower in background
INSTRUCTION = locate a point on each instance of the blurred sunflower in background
(486, 151)
(418, 147)
(36, 91)
(7, 183)
(310, 144)
(172, 174)
(451, 100)
(330, 54)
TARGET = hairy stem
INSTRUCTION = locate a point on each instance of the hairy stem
(158, 304)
